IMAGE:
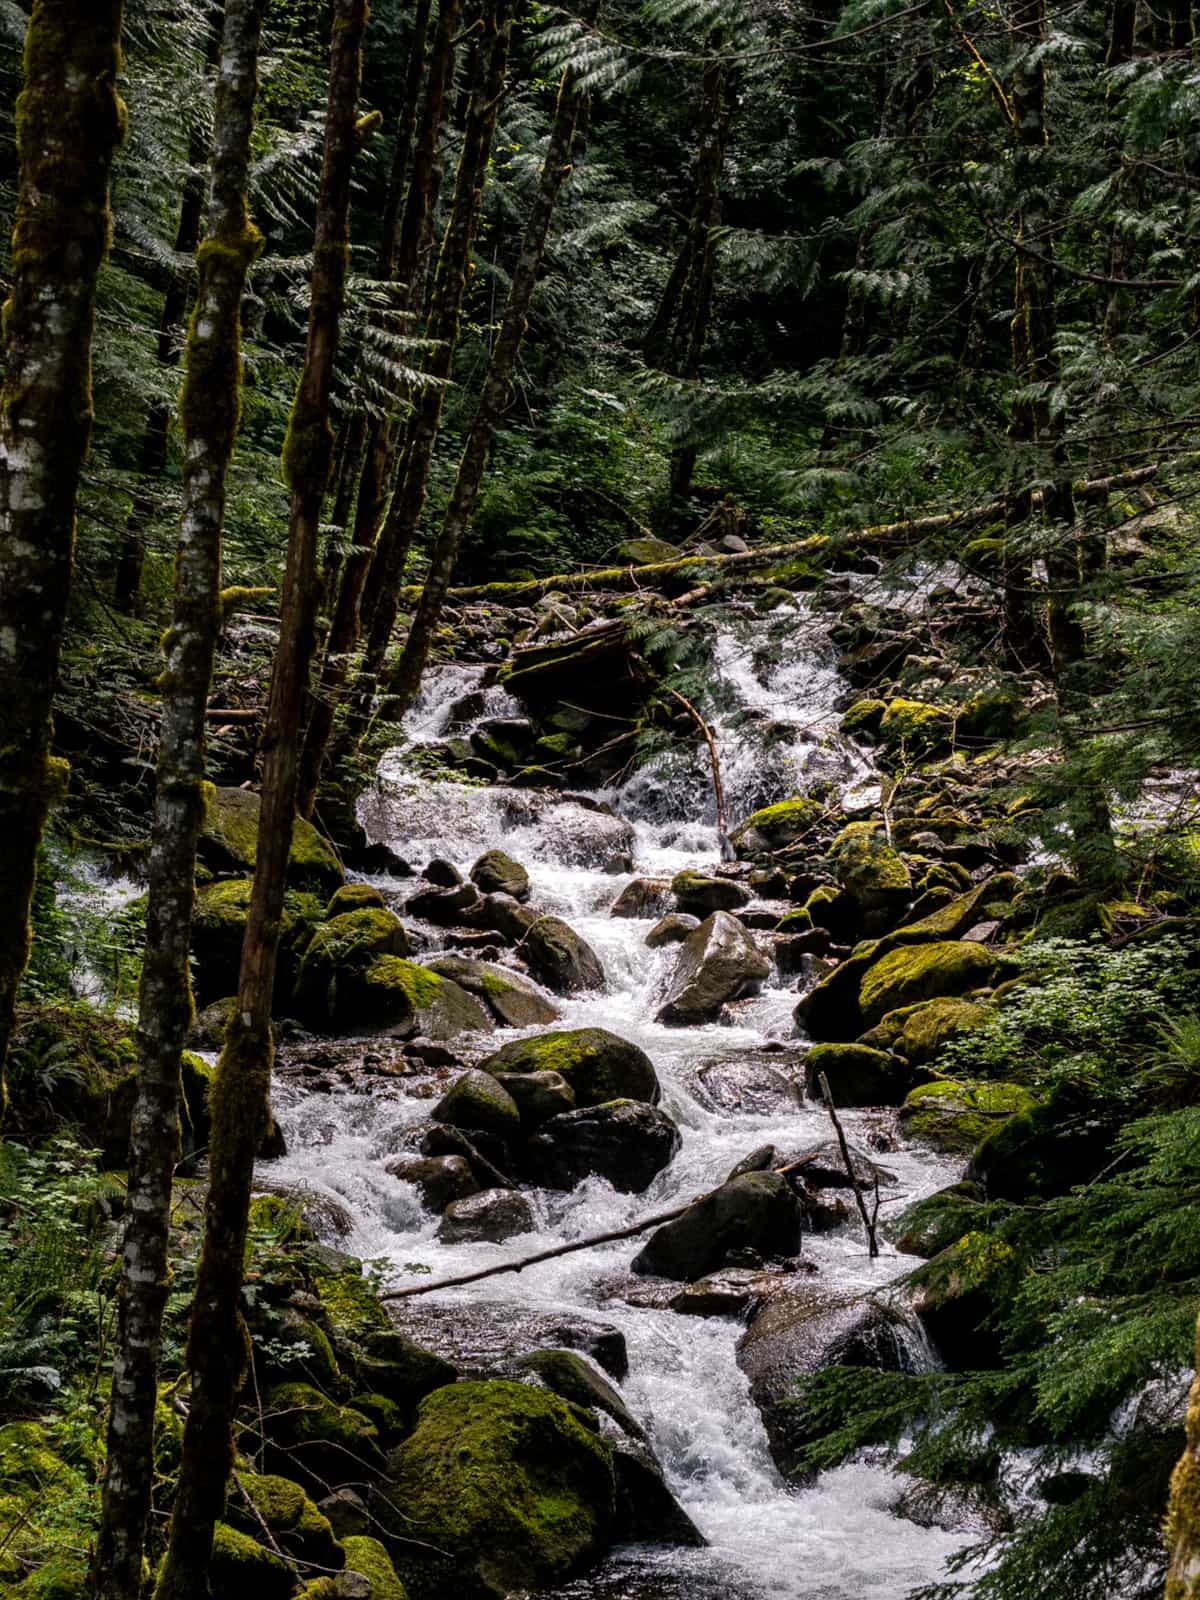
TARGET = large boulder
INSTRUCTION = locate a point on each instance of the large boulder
(718, 962)
(953, 1117)
(756, 1211)
(869, 869)
(512, 1000)
(476, 1101)
(228, 843)
(798, 1334)
(1045, 1150)
(488, 1217)
(562, 959)
(445, 907)
(577, 1378)
(295, 1525)
(929, 1028)
(367, 1556)
(327, 992)
(500, 1487)
(409, 1000)
(538, 1096)
(440, 1179)
(497, 873)
(671, 929)
(857, 1075)
(922, 972)
(775, 827)
(315, 1440)
(625, 1141)
(697, 893)
(956, 1294)
(219, 927)
(642, 897)
(597, 1064)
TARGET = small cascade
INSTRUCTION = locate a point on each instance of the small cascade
(731, 1087)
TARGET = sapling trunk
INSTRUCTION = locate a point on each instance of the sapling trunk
(70, 123)
(240, 1108)
(210, 410)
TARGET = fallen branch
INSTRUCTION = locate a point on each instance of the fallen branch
(869, 1223)
(718, 787)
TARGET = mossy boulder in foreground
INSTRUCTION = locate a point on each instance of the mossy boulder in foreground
(511, 1482)
(775, 827)
(405, 998)
(328, 987)
(597, 1064)
(922, 972)
(954, 1117)
(228, 843)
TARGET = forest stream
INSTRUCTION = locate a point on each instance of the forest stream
(731, 1087)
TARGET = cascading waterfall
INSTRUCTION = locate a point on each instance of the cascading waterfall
(731, 1087)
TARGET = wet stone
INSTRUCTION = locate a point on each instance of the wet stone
(488, 1217)
(440, 1179)
(671, 929)
(443, 873)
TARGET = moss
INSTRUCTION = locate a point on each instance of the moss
(955, 1117)
(243, 1569)
(798, 920)
(279, 1219)
(931, 1026)
(779, 825)
(295, 1523)
(367, 1555)
(328, 986)
(918, 727)
(62, 1578)
(863, 718)
(597, 1064)
(354, 897)
(922, 972)
(931, 1225)
(866, 865)
(418, 985)
(219, 925)
(350, 1303)
(229, 842)
(508, 1481)
(316, 1439)
(857, 1074)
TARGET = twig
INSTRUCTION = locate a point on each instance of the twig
(710, 741)
(868, 1222)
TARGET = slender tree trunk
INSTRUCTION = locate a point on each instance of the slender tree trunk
(398, 259)
(210, 418)
(482, 433)
(405, 135)
(446, 302)
(1183, 1513)
(152, 458)
(70, 122)
(241, 1089)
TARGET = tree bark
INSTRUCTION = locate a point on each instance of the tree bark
(446, 302)
(482, 433)
(210, 409)
(1183, 1513)
(70, 123)
(241, 1088)
(398, 259)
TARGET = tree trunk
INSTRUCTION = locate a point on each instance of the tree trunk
(70, 122)
(482, 433)
(449, 291)
(152, 459)
(398, 259)
(210, 409)
(1183, 1513)
(241, 1088)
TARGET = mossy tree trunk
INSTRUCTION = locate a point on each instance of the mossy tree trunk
(70, 123)
(210, 418)
(240, 1108)
(481, 435)
(487, 74)
(399, 255)
(1183, 1512)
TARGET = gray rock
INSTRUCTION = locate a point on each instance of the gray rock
(647, 1511)
(347, 1513)
(756, 1211)
(538, 1095)
(440, 1179)
(443, 907)
(443, 1140)
(497, 873)
(625, 1141)
(671, 929)
(644, 897)
(486, 1218)
(511, 999)
(562, 959)
(699, 894)
(718, 962)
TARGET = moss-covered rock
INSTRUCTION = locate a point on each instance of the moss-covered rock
(857, 1075)
(929, 1028)
(476, 1101)
(954, 1117)
(219, 926)
(922, 972)
(575, 1377)
(354, 897)
(368, 1556)
(328, 989)
(507, 1481)
(538, 1096)
(296, 1525)
(243, 1569)
(775, 827)
(916, 726)
(512, 999)
(868, 868)
(957, 1292)
(862, 719)
(930, 1226)
(698, 893)
(402, 996)
(228, 843)
(316, 1440)
(1046, 1149)
(597, 1064)
(497, 873)
(561, 958)
(797, 920)
(62, 1578)
(832, 908)
(402, 1369)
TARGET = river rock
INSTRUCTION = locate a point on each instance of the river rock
(477, 1101)
(478, 1342)
(219, 928)
(775, 827)
(956, 1293)
(698, 894)
(574, 1377)
(316, 1441)
(671, 929)
(354, 897)
(824, 1167)
(443, 1140)
(511, 999)
(757, 1211)
(597, 1064)
(443, 873)
(799, 1333)
(625, 1141)
(440, 1179)
(857, 1075)
(497, 873)
(486, 1218)
(400, 997)
(228, 843)
(538, 1095)
(718, 962)
(922, 972)
(445, 908)
(500, 1487)
(643, 897)
(328, 991)
(954, 1117)
(647, 1511)
(727, 1293)
(560, 957)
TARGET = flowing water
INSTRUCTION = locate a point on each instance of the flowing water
(730, 1087)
